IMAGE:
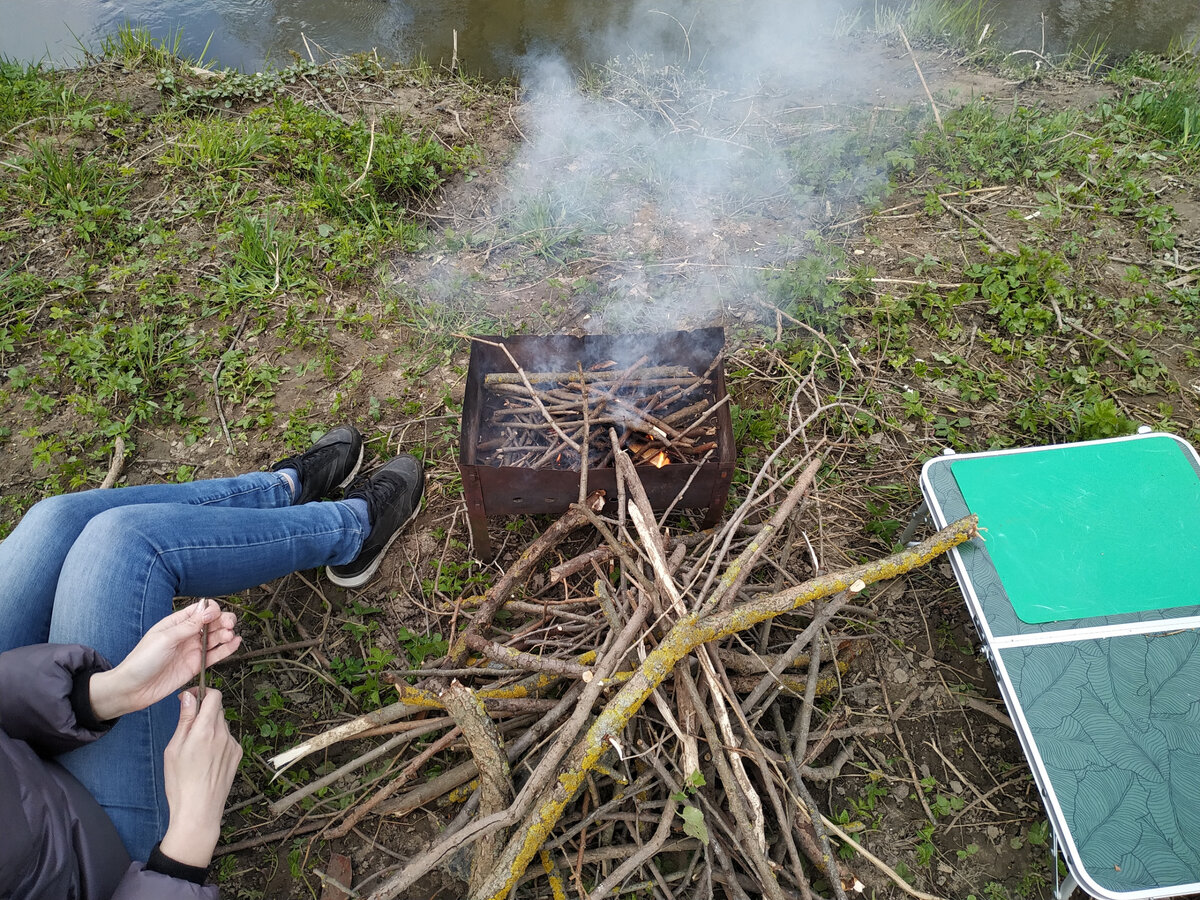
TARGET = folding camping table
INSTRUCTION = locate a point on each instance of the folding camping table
(1085, 588)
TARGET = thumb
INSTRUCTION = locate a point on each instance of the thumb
(187, 712)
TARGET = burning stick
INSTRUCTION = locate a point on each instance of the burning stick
(618, 401)
(682, 373)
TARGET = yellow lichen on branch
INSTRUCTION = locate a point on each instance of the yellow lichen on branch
(685, 636)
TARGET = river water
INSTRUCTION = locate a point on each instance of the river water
(494, 37)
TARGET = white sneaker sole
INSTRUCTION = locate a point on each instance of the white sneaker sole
(366, 574)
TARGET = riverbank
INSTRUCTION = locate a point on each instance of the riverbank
(213, 267)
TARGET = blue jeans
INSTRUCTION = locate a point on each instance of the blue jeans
(100, 567)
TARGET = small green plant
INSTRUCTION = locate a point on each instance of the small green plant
(804, 289)
(926, 849)
(136, 48)
(1023, 290)
(75, 189)
(1039, 833)
(693, 816)
(1102, 419)
(420, 647)
(880, 523)
(364, 675)
(945, 804)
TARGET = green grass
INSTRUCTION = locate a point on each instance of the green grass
(28, 93)
(215, 147)
(963, 26)
(179, 239)
(73, 188)
(134, 47)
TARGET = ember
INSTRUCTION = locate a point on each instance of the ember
(537, 407)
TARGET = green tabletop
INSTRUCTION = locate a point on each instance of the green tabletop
(1086, 530)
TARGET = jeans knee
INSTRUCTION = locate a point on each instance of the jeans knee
(62, 514)
(115, 532)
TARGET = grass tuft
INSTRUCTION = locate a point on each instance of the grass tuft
(134, 47)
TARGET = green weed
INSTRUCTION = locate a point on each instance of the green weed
(217, 147)
(75, 189)
(34, 99)
(1023, 290)
(804, 289)
(264, 258)
(134, 47)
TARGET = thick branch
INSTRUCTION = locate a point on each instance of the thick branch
(528, 661)
(495, 780)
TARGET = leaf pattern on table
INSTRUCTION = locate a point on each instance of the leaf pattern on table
(1183, 795)
(1182, 729)
(1173, 669)
(1070, 745)
(1053, 687)
(1116, 722)
(1142, 751)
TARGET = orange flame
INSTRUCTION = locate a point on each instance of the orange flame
(660, 460)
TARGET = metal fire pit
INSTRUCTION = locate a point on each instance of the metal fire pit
(508, 490)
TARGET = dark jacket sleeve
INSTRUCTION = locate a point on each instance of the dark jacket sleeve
(140, 883)
(36, 684)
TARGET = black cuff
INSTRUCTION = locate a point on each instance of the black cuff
(162, 864)
(81, 702)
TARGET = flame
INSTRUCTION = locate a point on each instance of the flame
(660, 460)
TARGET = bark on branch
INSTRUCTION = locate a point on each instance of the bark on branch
(495, 780)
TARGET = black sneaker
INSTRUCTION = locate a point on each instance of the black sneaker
(329, 464)
(393, 495)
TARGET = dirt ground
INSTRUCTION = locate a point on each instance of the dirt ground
(941, 736)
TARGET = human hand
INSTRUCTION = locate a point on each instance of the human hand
(198, 767)
(166, 658)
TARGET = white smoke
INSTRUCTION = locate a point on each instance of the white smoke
(674, 177)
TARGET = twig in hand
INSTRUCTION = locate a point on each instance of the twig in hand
(203, 653)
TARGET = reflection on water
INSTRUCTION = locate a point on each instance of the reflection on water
(495, 35)
(1120, 25)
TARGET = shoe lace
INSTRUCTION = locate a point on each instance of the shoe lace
(379, 494)
(388, 488)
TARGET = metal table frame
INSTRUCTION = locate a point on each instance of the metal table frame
(1155, 865)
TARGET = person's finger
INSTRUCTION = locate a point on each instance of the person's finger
(210, 709)
(187, 713)
(222, 629)
(223, 650)
(174, 620)
(210, 718)
(210, 612)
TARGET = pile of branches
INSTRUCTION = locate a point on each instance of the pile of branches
(547, 419)
(651, 727)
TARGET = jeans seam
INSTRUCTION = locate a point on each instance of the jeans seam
(252, 489)
(162, 816)
(259, 543)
